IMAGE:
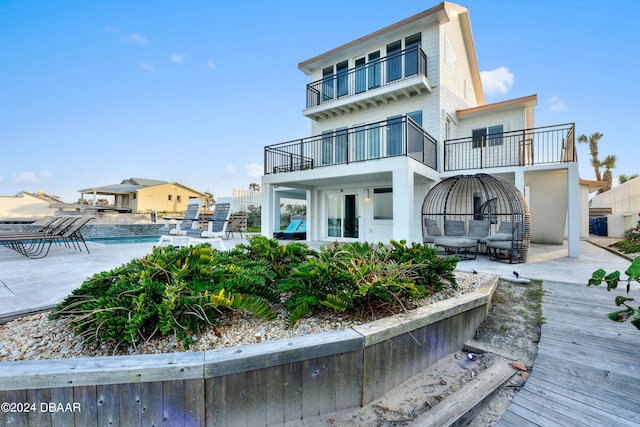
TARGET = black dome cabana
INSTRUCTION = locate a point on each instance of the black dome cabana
(483, 207)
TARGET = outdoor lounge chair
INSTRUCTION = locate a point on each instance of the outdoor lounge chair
(216, 228)
(299, 233)
(237, 223)
(182, 226)
(293, 226)
(507, 244)
(37, 244)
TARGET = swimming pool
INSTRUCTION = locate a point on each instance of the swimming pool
(123, 239)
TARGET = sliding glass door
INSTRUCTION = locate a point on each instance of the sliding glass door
(343, 217)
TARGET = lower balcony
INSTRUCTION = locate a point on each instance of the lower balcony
(527, 147)
(388, 138)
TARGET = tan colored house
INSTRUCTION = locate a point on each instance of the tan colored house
(26, 205)
(139, 195)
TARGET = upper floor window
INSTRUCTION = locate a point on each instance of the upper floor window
(374, 69)
(490, 136)
(327, 84)
(394, 61)
(411, 59)
(169, 197)
(383, 203)
(342, 78)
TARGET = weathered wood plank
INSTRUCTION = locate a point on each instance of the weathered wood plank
(194, 402)
(348, 381)
(18, 419)
(64, 395)
(510, 419)
(256, 406)
(256, 356)
(216, 398)
(130, 404)
(311, 387)
(569, 413)
(459, 408)
(625, 397)
(293, 391)
(275, 393)
(87, 397)
(39, 417)
(173, 409)
(81, 371)
(151, 398)
(585, 401)
(535, 413)
(108, 405)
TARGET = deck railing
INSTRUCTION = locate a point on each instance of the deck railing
(549, 144)
(389, 138)
(377, 73)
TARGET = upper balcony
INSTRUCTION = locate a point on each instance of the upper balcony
(389, 138)
(526, 147)
(367, 85)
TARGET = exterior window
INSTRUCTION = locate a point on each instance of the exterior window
(327, 84)
(134, 195)
(361, 75)
(416, 116)
(343, 78)
(495, 135)
(373, 141)
(327, 147)
(411, 58)
(169, 197)
(394, 61)
(483, 136)
(360, 137)
(341, 145)
(394, 136)
(374, 69)
(382, 203)
(179, 199)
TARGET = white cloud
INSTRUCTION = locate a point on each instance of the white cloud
(176, 58)
(496, 82)
(31, 177)
(148, 67)
(136, 38)
(556, 104)
(211, 64)
(230, 170)
(254, 170)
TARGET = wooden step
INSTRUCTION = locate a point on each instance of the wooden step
(460, 407)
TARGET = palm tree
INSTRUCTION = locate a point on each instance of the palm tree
(608, 163)
(622, 178)
(593, 149)
(254, 186)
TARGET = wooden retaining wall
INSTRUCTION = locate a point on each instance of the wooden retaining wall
(260, 384)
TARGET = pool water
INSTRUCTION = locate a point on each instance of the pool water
(125, 239)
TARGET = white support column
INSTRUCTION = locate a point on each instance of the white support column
(266, 215)
(312, 227)
(573, 211)
(519, 180)
(403, 196)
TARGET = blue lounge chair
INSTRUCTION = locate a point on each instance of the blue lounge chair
(293, 226)
(299, 233)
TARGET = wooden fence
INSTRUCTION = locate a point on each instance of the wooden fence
(260, 384)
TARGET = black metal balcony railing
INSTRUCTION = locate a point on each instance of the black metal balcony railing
(549, 144)
(377, 73)
(389, 138)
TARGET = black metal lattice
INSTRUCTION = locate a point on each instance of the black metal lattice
(479, 200)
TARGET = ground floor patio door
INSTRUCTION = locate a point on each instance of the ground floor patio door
(343, 216)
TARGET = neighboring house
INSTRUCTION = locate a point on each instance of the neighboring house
(624, 202)
(26, 205)
(139, 195)
(396, 111)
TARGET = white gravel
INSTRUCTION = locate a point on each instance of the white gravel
(35, 337)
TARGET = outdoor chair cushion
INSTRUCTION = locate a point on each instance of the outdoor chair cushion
(454, 228)
(499, 237)
(432, 227)
(478, 229)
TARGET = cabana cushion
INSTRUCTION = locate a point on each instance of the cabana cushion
(478, 229)
(454, 228)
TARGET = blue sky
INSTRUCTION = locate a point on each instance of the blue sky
(92, 92)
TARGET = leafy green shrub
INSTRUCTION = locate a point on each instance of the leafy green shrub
(364, 278)
(612, 279)
(169, 290)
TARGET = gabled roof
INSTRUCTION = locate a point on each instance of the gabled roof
(143, 182)
(131, 185)
(440, 14)
(525, 101)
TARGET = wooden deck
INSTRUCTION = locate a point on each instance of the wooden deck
(587, 372)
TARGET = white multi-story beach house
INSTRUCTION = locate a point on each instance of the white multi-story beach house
(395, 112)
